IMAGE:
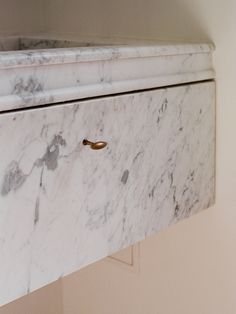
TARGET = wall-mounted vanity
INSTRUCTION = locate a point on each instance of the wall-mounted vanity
(64, 204)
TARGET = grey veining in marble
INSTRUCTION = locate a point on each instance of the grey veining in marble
(51, 71)
(64, 206)
(33, 43)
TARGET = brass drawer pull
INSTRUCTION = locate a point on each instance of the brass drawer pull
(95, 145)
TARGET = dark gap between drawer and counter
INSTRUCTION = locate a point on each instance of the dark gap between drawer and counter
(49, 105)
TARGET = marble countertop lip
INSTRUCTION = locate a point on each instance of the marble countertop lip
(49, 75)
(24, 58)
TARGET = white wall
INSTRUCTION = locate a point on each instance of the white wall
(47, 300)
(21, 16)
(147, 19)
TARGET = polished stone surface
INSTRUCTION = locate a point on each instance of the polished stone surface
(64, 206)
(37, 76)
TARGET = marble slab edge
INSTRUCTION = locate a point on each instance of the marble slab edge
(44, 83)
(56, 96)
(84, 54)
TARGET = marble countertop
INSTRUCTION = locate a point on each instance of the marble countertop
(35, 71)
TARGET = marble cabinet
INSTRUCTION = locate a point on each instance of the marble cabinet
(64, 205)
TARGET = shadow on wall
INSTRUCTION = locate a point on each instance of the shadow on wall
(21, 17)
(142, 19)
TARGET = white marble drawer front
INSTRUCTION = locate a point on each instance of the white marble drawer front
(64, 205)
